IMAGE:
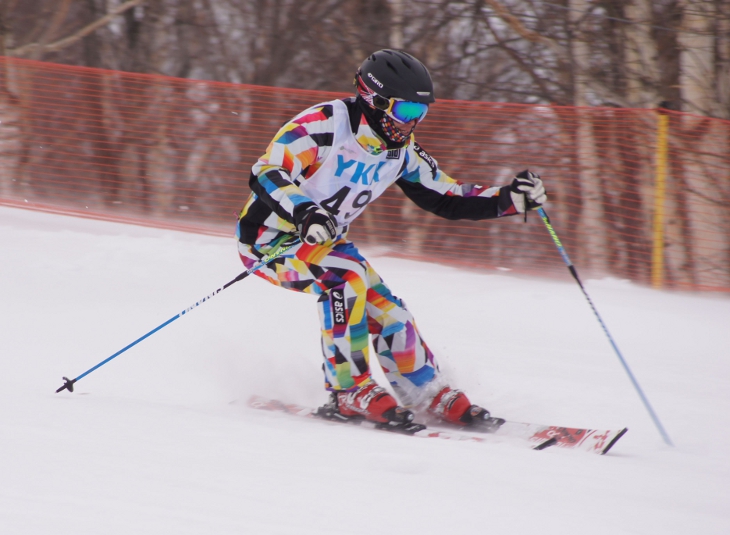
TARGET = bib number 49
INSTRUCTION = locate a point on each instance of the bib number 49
(333, 203)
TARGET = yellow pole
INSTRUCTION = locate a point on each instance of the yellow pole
(657, 254)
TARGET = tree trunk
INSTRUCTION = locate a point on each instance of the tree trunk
(697, 76)
(641, 71)
(591, 253)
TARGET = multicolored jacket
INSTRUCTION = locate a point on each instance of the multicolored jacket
(329, 156)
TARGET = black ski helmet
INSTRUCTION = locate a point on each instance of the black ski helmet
(395, 74)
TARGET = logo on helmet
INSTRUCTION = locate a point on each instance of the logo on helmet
(377, 82)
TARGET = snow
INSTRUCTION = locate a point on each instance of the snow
(159, 440)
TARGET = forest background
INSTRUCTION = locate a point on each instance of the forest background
(626, 53)
(635, 193)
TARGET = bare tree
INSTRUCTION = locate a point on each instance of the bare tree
(169, 145)
(629, 53)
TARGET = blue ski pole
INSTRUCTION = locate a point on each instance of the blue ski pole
(68, 384)
(625, 365)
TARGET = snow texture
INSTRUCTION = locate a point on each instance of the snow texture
(160, 440)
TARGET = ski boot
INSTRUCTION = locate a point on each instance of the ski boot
(452, 406)
(369, 402)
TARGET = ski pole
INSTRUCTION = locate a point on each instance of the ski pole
(625, 365)
(68, 384)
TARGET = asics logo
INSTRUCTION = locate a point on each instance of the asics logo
(338, 308)
(426, 156)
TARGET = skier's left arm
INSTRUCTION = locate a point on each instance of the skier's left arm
(433, 190)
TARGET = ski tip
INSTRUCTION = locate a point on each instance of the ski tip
(615, 439)
(543, 445)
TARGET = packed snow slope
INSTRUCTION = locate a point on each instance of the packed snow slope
(159, 440)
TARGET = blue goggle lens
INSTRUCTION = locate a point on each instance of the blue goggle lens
(405, 111)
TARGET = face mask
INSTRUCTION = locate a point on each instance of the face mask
(390, 130)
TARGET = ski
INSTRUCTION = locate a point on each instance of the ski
(415, 430)
(590, 440)
(539, 437)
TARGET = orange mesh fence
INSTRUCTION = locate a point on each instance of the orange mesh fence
(631, 194)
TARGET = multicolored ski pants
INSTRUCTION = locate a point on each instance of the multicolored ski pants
(354, 303)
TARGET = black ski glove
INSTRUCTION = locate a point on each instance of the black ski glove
(316, 226)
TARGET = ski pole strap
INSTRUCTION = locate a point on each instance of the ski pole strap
(68, 384)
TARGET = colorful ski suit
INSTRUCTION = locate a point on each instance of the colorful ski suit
(328, 156)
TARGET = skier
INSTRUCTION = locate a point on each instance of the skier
(318, 174)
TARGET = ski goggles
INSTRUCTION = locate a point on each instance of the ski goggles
(403, 111)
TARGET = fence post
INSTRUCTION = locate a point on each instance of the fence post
(660, 187)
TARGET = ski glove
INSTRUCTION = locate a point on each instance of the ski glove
(316, 226)
(527, 191)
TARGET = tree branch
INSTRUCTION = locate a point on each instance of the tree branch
(39, 48)
(513, 22)
(58, 17)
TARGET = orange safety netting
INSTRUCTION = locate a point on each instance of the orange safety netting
(177, 153)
